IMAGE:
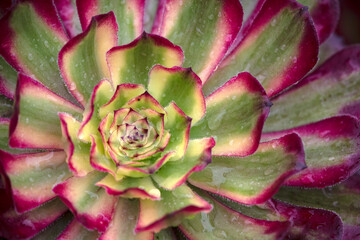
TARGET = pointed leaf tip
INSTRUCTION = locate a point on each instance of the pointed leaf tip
(82, 75)
(180, 85)
(131, 63)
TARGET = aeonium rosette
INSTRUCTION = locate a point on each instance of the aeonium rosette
(137, 145)
(116, 138)
(130, 135)
(143, 128)
(133, 141)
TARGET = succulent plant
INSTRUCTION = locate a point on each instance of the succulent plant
(176, 119)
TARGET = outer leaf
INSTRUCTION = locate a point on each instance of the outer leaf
(305, 223)
(234, 116)
(280, 47)
(81, 72)
(26, 225)
(32, 177)
(31, 39)
(204, 33)
(75, 230)
(170, 210)
(35, 122)
(253, 179)
(77, 152)
(124, 221)
(343, 198)
(91, 205)
(309, 223)
(224, 223)
(8, 79)
(325, 14)
(329, 91)
(129, 15)
(131, 63)
(69, 16)
(180, 85)
(331, 148)
(197, 157)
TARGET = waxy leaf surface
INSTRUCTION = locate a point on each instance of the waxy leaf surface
(280, 47)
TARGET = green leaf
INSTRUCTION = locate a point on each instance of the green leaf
(178, 125)
(180, 85)
(123, 94)
(224, 223)
(101, 94)
(203, 33)
(131, 63)
(330, 90)
(83, 59)
(77, 152)
(33, 175)
(280, 47)
(305, 223)
(33, 46)
(331, 149)
(129, 16)
(343, 198)
(35, 122)
(255, 178)
(234, 116)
